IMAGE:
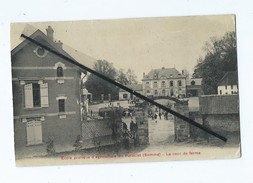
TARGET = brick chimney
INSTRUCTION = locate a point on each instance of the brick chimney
(50, 33)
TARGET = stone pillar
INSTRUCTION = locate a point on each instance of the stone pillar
(141, 119)
(181, 127)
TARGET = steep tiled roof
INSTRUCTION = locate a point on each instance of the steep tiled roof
(135, 87)
(165, 73)
(230, 78)
(65, 50)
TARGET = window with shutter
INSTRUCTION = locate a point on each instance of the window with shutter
(179, 83)
(28, 90)
(155, 84)
(163, 83)
(163, 93)
(44, 94)
(171, 83)
(36, 95)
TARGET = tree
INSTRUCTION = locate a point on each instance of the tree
(121, 77)
(126, 78)
(98, 86)
(220, 57)
(132, 78)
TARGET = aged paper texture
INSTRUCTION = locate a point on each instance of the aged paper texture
(177, 96)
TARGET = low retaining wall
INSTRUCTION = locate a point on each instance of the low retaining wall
(96, 133)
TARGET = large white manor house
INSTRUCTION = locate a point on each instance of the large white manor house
(164, 82)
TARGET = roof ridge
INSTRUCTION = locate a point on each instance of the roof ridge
(38, 32)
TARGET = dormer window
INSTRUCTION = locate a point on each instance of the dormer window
(156, 75)
(59, 71)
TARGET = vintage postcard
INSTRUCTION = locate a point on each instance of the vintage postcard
(125, 90)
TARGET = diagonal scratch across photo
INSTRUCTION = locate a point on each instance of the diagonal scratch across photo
(125, 90)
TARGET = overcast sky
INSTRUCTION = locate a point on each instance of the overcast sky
(139, 44)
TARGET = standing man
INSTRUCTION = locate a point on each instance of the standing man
(206, 135)
(160, 115)
(132, 127)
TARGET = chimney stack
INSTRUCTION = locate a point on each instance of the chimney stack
(143, 74)
(50, 33)
(59, 43)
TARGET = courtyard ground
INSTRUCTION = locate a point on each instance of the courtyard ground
(161, 140)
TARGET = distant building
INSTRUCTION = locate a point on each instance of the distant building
(164, 82)
(194, 87)
(228, 84)
(124, 95)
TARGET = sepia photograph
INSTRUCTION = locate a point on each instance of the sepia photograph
(125, 90)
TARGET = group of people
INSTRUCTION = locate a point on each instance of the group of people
(155, 115)
(132, 134)
(128, 113)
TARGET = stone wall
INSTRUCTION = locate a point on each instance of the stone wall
(97, 133)
(222, 113)
(225, 124)
(181, 127)
(141, 119)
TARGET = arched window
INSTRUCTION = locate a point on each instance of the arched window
(171, 83)
(155, 84)
(163, 83)
(179, 83)
(163, 93)
(59, 71)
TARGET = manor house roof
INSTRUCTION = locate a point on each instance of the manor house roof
(163, 73)
(135, 87)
